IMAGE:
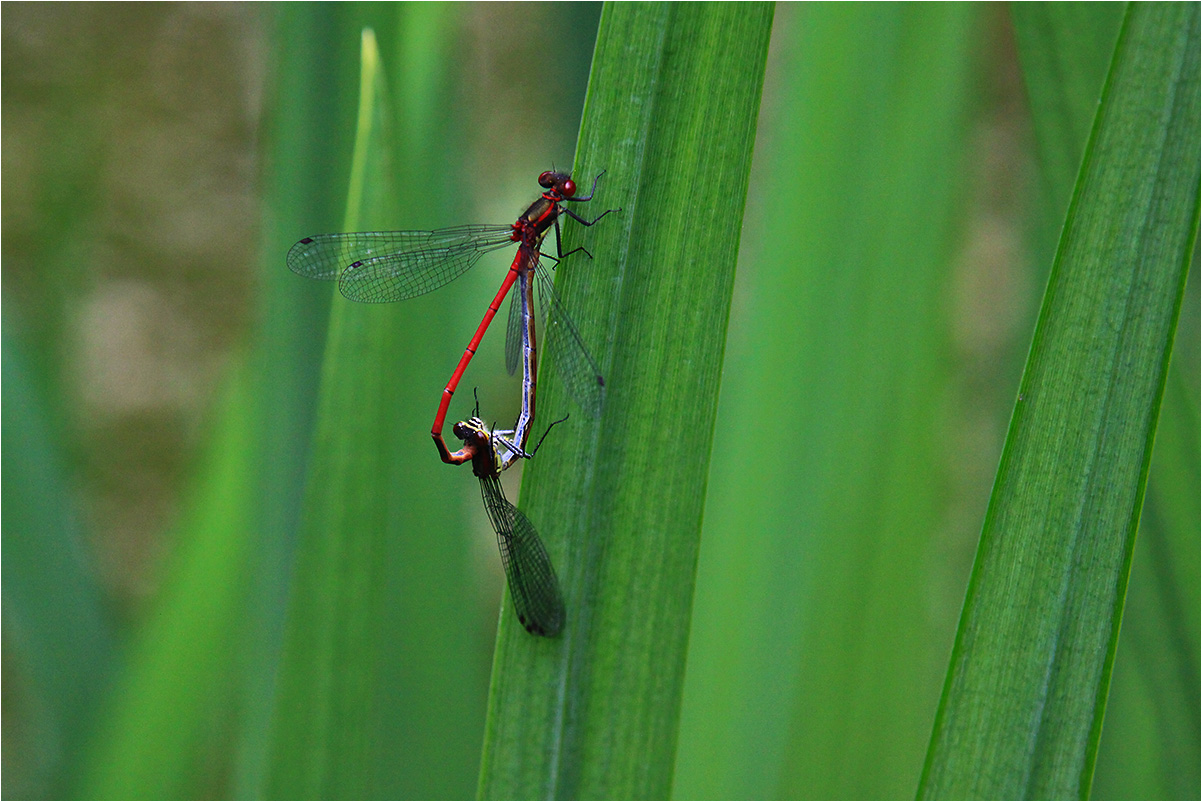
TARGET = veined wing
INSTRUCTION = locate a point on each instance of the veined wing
(532, 583)
(378, 266)
(571, 358)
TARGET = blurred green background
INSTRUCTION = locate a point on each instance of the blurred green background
(161, 365)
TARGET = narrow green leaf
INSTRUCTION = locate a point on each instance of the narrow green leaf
(1025, 694)
(322, 731)
(432, 683)
(1150, 741)
(58, 635)
(671, 114)
(177, 673)
(303, 185)
(1065, 50)
(1151, 731)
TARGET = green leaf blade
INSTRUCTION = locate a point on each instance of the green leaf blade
(179, 667)
(671, 115)
(322, 744)
(1025, 694)
(821, 618)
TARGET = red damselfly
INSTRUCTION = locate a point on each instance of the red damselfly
(381, 266)
(528, 570)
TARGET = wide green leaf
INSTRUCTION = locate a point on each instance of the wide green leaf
(671, 115)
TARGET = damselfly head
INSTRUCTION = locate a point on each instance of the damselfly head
(560, 182)
(470, 429)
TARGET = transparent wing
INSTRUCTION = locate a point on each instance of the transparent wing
(378, 266)
(568, 353)
(532, 583)
(513, 328)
